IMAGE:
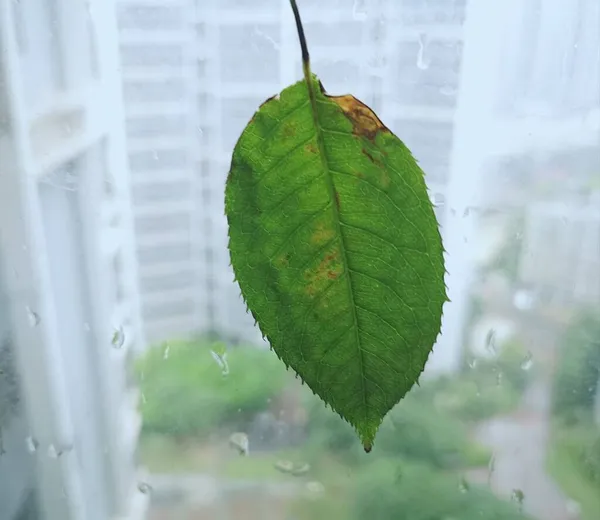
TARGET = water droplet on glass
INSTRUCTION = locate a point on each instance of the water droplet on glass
(463, 485)
(55, 453)
(118, 338)
(167, 352)
(200, 131)
(448, 90)
(264, 35)
(144, 487)
(359, 12)
(285, 466)
(32, 317)
(490, 341)
(422, 64)
(301, 469)
(468, 210)
(220, 356)
(32, 444)
(499, 378)
(472, 362)
(315, 489)
(518, 496)
(239, 441)
(491, 468)
(155, 155)
(527, 362)
(438, 199)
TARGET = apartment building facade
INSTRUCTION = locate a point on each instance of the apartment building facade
(402, 59)
(158, 68)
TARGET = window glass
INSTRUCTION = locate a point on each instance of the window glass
(136, 384)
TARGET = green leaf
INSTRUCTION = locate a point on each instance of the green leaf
(337, 251)
(336, 248)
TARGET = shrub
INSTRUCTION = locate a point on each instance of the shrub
(410, 491)
(422, 433)
(472, 401)
(576, 378)
(413, 429)
(186, 393)
(582, 443)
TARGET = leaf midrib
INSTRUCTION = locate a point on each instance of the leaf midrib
(336, 217)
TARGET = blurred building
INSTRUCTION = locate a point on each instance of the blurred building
(568, 233)
(465, 115)
(529, 94)
(158, 67)
(69, 303)
(402, 59)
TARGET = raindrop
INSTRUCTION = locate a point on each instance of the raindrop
(239, 441)
(315, 489)
(491, 468)
(143, 396)
(527, 362)
(472, 362)
(200, 131)
(32, 444)
(285, 466)
(220, 356)
(448, 90)
(167, 352)
(468, 210)
(270, 39)
(421, 63)
(518, 496)
(359, 12)
(300, 470)
(463, 485)
(54, 453)
(33, 317)
(438, 200)
(490, 341)
(144, 487)
(2, 450)
(499, 378)
(155, 155)
(118, 338)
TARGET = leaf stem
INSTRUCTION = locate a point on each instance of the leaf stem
(303, 46)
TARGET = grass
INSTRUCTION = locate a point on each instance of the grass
(161, 454)
(566, 469)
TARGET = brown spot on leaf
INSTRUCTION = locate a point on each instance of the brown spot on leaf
(322, 234)
(373, 159)
(364, 121)
(289, 130)
(328, 269)
(337, 199)
(284, 260)
(384, 178)
(311, 148)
